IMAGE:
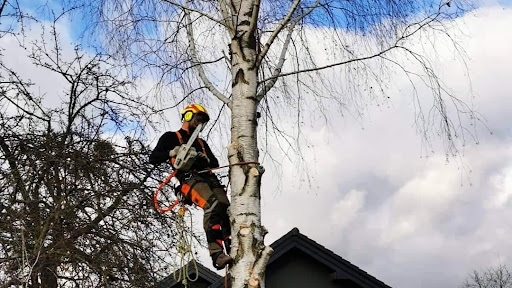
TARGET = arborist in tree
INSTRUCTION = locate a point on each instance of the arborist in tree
(203, 189)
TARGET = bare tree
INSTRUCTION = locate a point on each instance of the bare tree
(494, 277)
(75, 185)
(258, 57)
(13, 19)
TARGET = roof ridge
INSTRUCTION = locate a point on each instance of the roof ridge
(327, 253)
(295, 239)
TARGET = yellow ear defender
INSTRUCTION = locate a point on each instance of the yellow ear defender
(188, 116)
(188, 113)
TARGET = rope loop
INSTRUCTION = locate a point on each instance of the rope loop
(184, 247)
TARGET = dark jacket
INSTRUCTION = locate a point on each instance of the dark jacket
(169, 140)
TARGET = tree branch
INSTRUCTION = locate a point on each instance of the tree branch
(2, 8)
(286, 44)
(202, 13)
(406, 34)
(276, 32)
(382, 52)
(197, 63)
(277, 71)
(226, 18)
(254, 16)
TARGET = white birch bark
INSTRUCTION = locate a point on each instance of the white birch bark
(248, 249)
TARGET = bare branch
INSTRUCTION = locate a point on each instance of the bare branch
(227, 19)
(254, 17)
(202, 13)
(382, 52)
(197, 63)
(2, 7)
(284, 50)
(277, 31)
(269, 84)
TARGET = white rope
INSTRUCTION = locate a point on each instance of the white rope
(184, 247)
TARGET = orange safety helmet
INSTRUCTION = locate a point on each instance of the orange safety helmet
(188, 112)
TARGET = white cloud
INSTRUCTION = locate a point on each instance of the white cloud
(346, 209)
(502, 184)
(437, 220)
(376, 201)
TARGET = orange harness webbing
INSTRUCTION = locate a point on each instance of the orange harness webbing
(155, 195)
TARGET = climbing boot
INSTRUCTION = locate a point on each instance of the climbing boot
(220, 260)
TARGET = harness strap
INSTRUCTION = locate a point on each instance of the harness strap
(192, 195)
(179, 137)
(202, 145)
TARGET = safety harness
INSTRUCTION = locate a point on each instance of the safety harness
(183, 188)
(182, 196)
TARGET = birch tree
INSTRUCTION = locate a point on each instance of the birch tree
(271, 58)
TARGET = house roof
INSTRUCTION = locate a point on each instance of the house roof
(344, 271)
(204, 273)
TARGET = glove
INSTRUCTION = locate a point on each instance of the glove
(202, 158)
(174, 151)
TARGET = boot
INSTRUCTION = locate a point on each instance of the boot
(220, 260)
(216, 247)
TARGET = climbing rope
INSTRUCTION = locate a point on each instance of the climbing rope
(225, 166)
(226, 277)
(173, 173)
(184, 244)
(184, 247)
(155, 195)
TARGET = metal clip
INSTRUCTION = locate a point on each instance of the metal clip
(187, 176)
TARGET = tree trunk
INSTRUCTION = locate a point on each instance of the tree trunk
(248, 249)
(49, 276)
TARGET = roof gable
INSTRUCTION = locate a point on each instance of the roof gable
(344, 271)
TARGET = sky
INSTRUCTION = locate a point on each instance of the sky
(408, 217)
(383, 201)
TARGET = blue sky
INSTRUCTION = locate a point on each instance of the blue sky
(46, 9)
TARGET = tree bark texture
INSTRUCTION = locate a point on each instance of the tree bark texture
(248, 249)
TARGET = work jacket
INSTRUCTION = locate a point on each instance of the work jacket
(169, 140)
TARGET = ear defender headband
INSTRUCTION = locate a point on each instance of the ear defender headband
(188, 113)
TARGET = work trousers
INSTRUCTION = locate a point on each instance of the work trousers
(207, 192)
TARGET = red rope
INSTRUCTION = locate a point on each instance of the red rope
(155, 195)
